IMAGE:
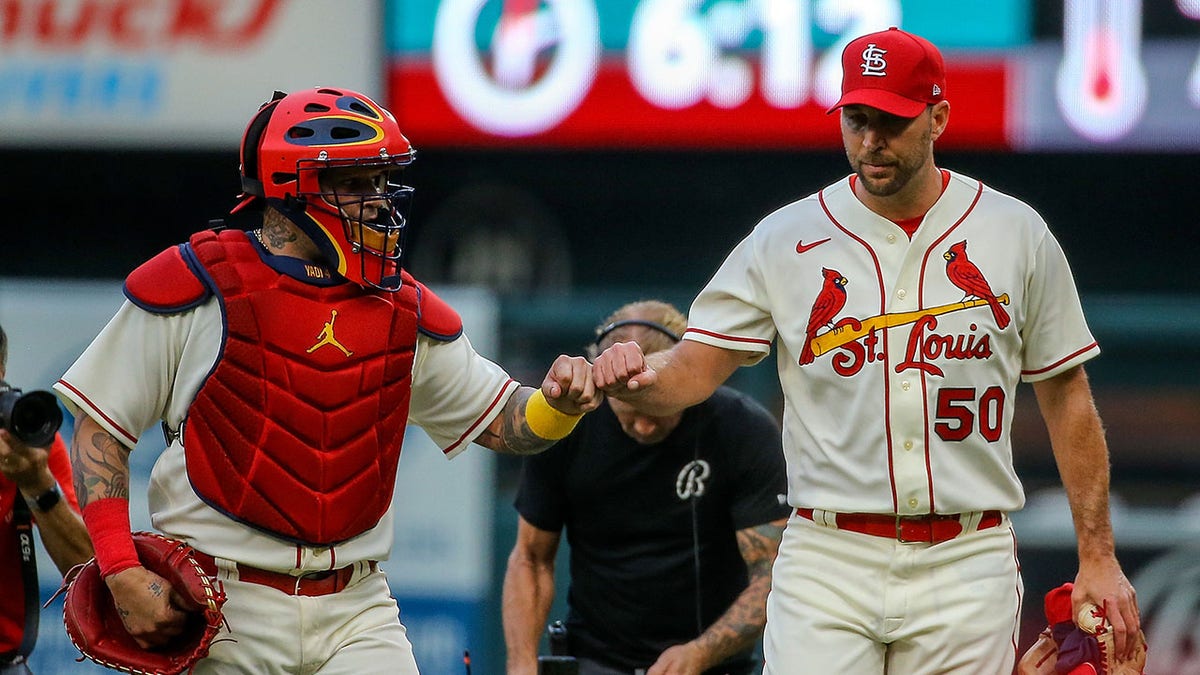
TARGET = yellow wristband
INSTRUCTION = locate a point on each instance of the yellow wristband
(545, 421)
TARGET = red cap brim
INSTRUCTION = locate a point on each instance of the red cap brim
(884, 100)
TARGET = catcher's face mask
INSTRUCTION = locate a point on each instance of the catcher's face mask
(329, 159)
(361, 210)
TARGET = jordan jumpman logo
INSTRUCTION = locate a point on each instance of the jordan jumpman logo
(326, 337)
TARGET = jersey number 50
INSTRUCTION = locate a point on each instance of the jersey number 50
(957, 411)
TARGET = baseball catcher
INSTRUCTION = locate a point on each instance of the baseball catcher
(96, 629)
(1080, 645)
(284, 353)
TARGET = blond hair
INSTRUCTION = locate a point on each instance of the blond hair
(653, 324)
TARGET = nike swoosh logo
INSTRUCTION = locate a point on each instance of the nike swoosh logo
(801, 247)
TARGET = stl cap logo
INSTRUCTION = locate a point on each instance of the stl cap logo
(873, 63)
(326, 337)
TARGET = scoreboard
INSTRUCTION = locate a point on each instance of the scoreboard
(1090, 75)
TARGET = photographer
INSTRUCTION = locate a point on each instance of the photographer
(29, 492)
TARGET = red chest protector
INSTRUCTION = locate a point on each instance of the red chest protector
(297, 430)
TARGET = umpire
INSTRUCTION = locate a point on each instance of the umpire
(673, 524)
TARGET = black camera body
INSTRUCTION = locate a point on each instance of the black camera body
(34, 417)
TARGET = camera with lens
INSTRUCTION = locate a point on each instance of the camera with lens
(33, 417)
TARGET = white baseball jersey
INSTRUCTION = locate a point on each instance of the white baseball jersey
(904, 403)
(143, 368)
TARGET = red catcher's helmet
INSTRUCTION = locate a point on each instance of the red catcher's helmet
(289, 152)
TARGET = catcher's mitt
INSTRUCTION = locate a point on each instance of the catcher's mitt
(97, 631)
(1080, 645)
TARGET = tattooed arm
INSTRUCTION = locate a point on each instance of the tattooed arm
(736, 630)
(148, 605)
(567, 388)
(99, 462)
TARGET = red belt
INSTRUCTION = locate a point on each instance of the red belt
(932, 528)
(311, 584)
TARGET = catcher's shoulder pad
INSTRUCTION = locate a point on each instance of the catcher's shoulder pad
(435, 317)
(167, 283)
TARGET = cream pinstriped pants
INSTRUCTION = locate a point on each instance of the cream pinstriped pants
(856, 604)
(354, 632)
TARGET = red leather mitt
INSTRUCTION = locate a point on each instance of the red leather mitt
(96, 630)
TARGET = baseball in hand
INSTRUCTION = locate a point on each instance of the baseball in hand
(1091, 620)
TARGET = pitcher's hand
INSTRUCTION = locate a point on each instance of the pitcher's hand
(622, 370)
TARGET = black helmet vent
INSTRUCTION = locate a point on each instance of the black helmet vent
(355, 105)
(331, 131)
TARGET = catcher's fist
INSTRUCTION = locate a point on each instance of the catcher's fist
(568, 386)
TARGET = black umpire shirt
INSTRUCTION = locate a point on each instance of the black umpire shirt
(654, 557)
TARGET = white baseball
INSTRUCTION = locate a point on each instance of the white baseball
(1091, 620)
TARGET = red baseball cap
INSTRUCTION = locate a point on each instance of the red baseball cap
(894, 71)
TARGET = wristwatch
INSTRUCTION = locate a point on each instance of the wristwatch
(48, 499)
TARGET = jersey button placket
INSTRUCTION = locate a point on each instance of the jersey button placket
(908, 418)
(906, 402)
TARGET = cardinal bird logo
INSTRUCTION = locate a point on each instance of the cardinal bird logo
(966, 276)
(829, 302)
